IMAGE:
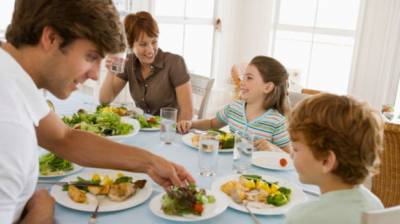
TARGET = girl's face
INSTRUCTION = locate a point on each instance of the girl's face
(252, 87)
(146, 49)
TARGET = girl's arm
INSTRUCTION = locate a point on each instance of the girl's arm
(184, 126)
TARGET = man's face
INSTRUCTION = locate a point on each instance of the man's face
(70, 66)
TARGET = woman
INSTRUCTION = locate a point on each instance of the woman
(156, 79)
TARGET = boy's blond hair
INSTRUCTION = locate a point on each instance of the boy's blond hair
(352, 130)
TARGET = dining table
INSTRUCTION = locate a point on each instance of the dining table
(179, 153)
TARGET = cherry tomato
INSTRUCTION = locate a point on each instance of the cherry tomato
(283, 162)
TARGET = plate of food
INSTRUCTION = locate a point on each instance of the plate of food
(226, 141)
(148, 122)
(264, 195)
(51, 165)
(104, 123)
(113, 191)
(188, 204)
(272, 160)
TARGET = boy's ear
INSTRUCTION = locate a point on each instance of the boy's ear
(268, 87)
(329, 163)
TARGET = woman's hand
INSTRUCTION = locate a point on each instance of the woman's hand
(184, 126)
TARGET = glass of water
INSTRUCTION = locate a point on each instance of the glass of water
(243, 152)
(168, 117)
(208, 153)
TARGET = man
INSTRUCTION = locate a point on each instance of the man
(56, 45)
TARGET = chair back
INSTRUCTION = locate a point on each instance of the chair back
(295, 98)
(201, 89)
(386, 185)
(384, 216)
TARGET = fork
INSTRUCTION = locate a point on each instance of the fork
(253, 217)
(93, 217)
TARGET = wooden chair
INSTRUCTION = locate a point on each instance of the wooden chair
(384, 216)
(386, 185)
(310, 91)
(201, 89)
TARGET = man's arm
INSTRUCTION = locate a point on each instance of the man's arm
(39, 209)
(88, 149)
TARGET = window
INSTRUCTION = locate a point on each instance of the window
(316, 38)
(187, 29)
(6, 10)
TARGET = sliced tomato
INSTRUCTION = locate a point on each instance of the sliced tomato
(198, 208)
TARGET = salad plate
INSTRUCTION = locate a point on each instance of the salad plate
(272, 160)
(106, 205)
(51, 165)
(187, 139)
(296, 196)
(135, 131)
(149, 122)
(210, 210)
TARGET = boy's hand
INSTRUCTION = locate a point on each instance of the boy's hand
(183, 127)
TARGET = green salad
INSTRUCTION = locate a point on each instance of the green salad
(50, 164)
(180, 201)
(150, 122)
(101, 122)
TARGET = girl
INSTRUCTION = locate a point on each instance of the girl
(261, 109)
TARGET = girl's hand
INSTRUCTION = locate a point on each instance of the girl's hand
(265, 145)
(183, 126)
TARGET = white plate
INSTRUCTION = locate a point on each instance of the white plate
(150, 129)
(106, 205)
(210, 210)
(136, 128)
(297, 196)
(270, 160)
(187, 140)
(76, 168)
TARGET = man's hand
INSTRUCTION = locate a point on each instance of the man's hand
(39, 209)
(167, 173)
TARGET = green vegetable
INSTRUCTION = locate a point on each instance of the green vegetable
(104, 123)
(277, 199)
(49, 163)
(183, 200)
(286, 191)
(123, 179)
(151, 122)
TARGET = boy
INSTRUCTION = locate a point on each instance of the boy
(336, 145)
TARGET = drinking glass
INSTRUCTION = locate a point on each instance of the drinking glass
(119, 59)
(118, 62)
(208, 153)
(242, 152)
(168, 124)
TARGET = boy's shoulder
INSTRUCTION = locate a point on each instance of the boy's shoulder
(348, 203)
